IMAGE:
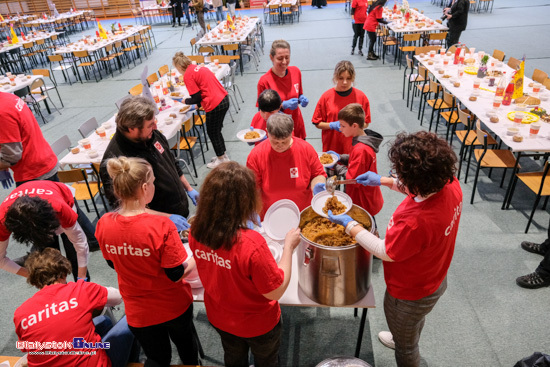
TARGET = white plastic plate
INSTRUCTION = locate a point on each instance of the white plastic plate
(280, 218)
(334, 160)
(240, 135)
(319, 200)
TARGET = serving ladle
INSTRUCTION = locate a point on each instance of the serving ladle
(333, 181)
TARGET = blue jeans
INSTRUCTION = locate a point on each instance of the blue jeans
(120, 337)
(219, 13)
(186, 12)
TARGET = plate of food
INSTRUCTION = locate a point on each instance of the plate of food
(328, 160)
(472, 70)
(494, 73)
(541, 113)
(176, 96)
(339, 203)
(527, 119)
(251, 136)
(184, 109)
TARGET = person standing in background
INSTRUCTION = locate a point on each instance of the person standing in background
(231, 7)
(218, 5)
(358, 17)
(198, 5)
(374, 17)
(457, 19)
(185, 5)
(176, 12)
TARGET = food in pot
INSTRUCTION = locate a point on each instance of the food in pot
(335, 205)
(322, 231)
(252, 135)
(326, 158)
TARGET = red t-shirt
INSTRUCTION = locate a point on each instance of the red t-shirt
(372, 19)
(57, 194)
(201, 79)
(288, 87)
(420, 238)
(360, 14)
(327, 110)
(19, 126)
(258, 122)
(234, 283)
(59, 313)
(285, 175)
(140, 247)
(361, 160)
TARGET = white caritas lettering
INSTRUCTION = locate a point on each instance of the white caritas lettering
(213, 257)
(49, 311)
(390, 223)
(127, 250)
(19, 105)
(456, 217)
(31, 192)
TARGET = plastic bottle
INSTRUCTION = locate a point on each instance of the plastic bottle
(462, 55)
(501, 86)
(156, 93)
(508, 94)
(457, 54)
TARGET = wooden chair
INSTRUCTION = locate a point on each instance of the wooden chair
(136, 90)
(490, 158)
(452, 49)
(193, 47)
(388, 41)
(422, 87)
(187, 142)
(274, 13)
(87, 63)
(286, 12)
(426, 49)
(110, 55)
(435, 39)
(539, 76)
(47, 73)
(412, 78)
(536, 182)
(514, 63)
(408, 44)
(151, 79)
(222, 59)
(163, 70)
(84, 189)
(546, 83)
(206, 50)
(451, 115)
(499, 55)
(88, 127)
(484, 4)
(199, 59)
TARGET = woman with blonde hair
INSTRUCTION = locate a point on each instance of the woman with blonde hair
(206, 90)
(242, 282)
(146, 252)
(287, 81)
(332, 101)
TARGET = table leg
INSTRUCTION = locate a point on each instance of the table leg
(241, 58)
(361, 330)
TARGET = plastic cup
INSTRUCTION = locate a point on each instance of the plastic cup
(518, 117)
(442, 51)
(534, 129)
(472, 50)
(460, 71)
(85, 143)
(432, 54)
(491, 81)
(497, 102)
(536, 87)
(445, 61)
(101, 132)
(216, 62)
(477, 82)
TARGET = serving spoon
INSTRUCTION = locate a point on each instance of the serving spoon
(333, 181)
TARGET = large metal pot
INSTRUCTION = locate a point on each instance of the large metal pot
(334, 276)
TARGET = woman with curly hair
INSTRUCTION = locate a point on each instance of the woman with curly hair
(242, 282)
(420, 237)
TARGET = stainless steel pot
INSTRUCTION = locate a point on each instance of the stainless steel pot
(334, 276)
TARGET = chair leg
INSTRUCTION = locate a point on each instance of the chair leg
(475, 183)
(532, 213)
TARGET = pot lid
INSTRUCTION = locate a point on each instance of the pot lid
(280, 218)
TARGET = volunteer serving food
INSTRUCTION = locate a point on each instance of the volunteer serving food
(242, 282)
(332, 101)
(420, 237)
(146, 252)
(286, 167)
(206, 91)
(287, 81)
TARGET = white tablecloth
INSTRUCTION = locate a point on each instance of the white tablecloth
(19, 83)
(240, 36)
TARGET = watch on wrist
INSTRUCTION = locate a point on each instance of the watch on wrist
(350, 225)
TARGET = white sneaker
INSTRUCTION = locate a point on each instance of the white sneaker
(386, 338)
(215, 163)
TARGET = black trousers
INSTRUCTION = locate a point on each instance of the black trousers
(372, 40)
(214, 125)
(453, 36)
(155, 340)
(358, 33)
(544, 267)
(264, 348)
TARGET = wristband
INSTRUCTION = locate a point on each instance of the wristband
(84, 279)
(350, 225)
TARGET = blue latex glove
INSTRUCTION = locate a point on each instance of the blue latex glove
(303, 100)
(180, 222)
(290, 104)
(335, 125)
(336, 154)
(7, 180)
(319, 187)
(257, 221)
(342, 219)
(84, 279)
(352, 21)
(194, 196)
(192, 108)
(368, 179)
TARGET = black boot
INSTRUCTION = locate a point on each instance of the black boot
(173, 25)
(360, 53)
(371, 56)
(353, 50)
